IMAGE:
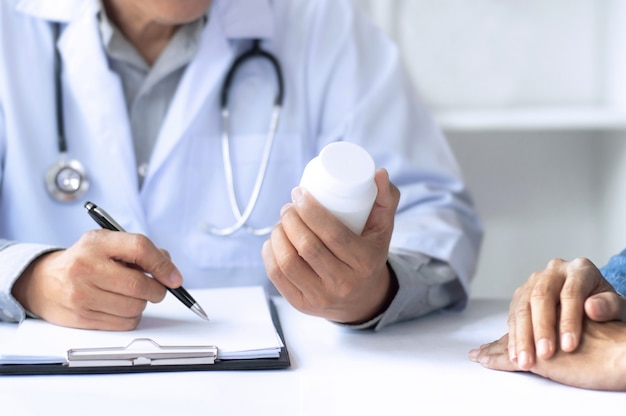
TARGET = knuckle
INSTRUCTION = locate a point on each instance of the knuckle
(273, 271)
(128, 324)
(517, 294)
(571, 292)
(139, 243)
(580, 263)
(535, 276)
(541, 289)
(74, 267)
(309, 248)
(76, 298)
(91, 237)
(134, 287)
(342, 291)
(522, 310)
(319, 305)
(284, 262)
(555, 263)
(135, 308)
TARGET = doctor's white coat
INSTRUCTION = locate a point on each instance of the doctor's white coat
(343, 81)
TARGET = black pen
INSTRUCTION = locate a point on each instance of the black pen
(105, 221)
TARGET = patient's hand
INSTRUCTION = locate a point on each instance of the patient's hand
(546, 313)
(598, 363)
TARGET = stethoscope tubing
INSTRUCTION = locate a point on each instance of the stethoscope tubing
(66, 180)
(76, 182)
(243, 217)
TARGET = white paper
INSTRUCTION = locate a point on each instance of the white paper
(240, 326)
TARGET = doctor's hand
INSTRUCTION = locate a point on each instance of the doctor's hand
(598, 363)
(546, 313)
(322, 268)
(100, 282)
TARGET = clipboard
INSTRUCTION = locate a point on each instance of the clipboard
(146, 355)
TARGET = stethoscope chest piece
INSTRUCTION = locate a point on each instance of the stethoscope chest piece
(66, 180)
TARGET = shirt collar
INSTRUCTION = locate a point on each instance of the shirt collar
(179, 51)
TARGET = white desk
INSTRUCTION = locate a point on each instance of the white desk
(413, 368)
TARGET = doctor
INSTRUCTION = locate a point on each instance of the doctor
(119, 102)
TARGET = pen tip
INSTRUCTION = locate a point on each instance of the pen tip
(200, 312)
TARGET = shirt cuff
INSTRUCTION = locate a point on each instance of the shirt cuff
(424, 286)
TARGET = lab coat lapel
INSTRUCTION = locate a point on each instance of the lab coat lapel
(201, 81)
(232, 19)
(99, 95)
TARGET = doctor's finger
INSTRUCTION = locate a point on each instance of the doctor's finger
(290, 274)
(317, 233)
(138, 250)
(332, 266)
(106, 302)
(381, 218)
(118, 278)
(94, 319)
(288, 264)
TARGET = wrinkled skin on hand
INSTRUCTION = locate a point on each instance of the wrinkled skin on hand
(322, 268)
(100, 282)
(546, 313)
(599, 361)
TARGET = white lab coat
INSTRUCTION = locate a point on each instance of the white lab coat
(343, 81)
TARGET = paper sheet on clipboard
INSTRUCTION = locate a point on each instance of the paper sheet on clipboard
(240, 326)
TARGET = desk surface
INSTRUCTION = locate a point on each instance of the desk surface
(418, 367)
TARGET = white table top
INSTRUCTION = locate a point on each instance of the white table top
(418, 367)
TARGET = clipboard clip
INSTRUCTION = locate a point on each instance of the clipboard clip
(141, 351)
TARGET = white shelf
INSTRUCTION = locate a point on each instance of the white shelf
(587, 118)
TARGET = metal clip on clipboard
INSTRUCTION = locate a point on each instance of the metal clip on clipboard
(141, 351)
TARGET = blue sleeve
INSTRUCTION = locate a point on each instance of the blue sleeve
(615, 272)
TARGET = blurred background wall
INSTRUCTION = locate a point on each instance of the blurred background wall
(532, 96)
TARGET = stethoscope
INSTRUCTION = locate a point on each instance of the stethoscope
(67, 180)
(241, 218)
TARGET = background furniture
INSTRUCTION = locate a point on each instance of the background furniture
(532, 95)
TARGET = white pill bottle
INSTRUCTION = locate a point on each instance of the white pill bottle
(341, 178)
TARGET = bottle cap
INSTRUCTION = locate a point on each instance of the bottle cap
(348, 168)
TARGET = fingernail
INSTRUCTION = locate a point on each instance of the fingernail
(543, 347)
(296, 194)
(522, 359)
(176, 279)
(601, 307)
(473, 354)
(567, 341)
(284, 208)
